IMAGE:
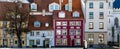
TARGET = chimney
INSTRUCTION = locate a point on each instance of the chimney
(60, 2)
(70, 5)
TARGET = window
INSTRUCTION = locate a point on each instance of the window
(49, 33)
(75, 14)
(101, 4)
(37, 33)
(72, 31)
(58, 23)
(66, 7)
(101, 38)
(58, 32)
(38, 42)
(101, 15)
(78, 31)
(58, 41)
(56, 7)
(33, 7)
(91, 25)
(31, 33)
(90, 15)
(90, 38)
(46, 24)
(77, 41)
(36, 24)
(72, 23)
(101, 25)
(15, 41)
(64, 32)
(64, 23)
(1, 23)
(53, 6)
(61, 14)
(23, 42)
(31, 42)
(116, 22)
(78, 23)
(91, 5)
(64, 41)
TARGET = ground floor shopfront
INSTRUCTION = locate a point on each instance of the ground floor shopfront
(94, 39)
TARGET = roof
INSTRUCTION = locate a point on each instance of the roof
(44, 4)
(116, 4)
(23, 1)
(42, 20)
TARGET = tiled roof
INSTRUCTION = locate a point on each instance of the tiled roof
(116, 4)
(44, 4)
(42, 20)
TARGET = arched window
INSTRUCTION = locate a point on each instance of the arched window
(75, 14)
(116, 22)
(36, 24)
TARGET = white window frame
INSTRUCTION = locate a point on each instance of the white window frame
(33, 7)
(76, 14)
(61, 14)
(37, 23)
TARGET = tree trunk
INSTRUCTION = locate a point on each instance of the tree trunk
(19, 39)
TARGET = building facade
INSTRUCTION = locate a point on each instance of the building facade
(40, 24)
(8, 37)
(68, 24)
(113, 21)
(95, 22)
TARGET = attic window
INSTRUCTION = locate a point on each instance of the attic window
(36, 24)
(46, 24)
(33, 7)
(61, 14)
(75, 14)
(66, 7)
(53, 6)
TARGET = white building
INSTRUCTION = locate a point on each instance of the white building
(39, 38)
(114, 21)
(96, 21)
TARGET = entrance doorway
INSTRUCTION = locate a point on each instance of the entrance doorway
(46, 43)
(72, 42)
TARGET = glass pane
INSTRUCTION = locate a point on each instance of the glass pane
(64, 32)
(58, 32)
(31, 42)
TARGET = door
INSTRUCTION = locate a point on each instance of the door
(72, 42)
(46, 43)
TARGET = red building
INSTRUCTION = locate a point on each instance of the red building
(68, 24)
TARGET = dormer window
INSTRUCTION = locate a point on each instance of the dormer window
(66, 7)
(75, 14)
(53, 6)
(46, 24)
(61, 14)
(33, 7)
(36, 24)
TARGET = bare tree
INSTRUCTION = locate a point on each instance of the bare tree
(17, 13)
